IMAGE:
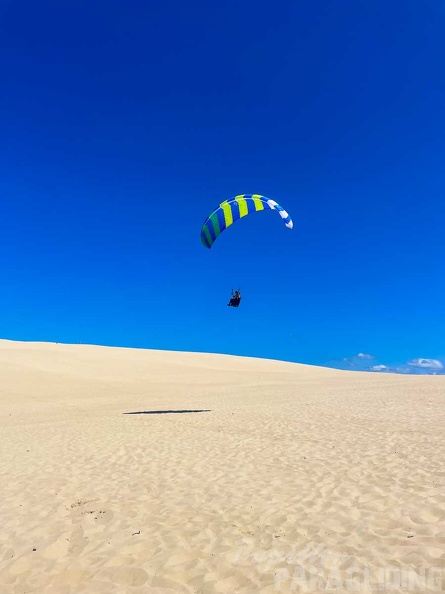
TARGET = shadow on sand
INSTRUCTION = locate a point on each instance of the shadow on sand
(165, 412)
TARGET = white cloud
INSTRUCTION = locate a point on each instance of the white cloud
(414, 367)
(357, 360)
(405, 370)
(420, 366)
(379, 368)
(426, 363)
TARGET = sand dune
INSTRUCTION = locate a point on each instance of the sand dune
(290, 478)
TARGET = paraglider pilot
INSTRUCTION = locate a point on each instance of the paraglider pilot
(235, 299)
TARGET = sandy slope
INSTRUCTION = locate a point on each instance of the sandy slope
(295, 473)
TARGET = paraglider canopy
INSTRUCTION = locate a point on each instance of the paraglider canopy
(229, 211)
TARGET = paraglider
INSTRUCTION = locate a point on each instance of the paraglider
(229, 211)
(235, 300)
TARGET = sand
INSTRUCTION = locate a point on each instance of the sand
(293, 478)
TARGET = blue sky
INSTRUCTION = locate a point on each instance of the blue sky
(124, 124)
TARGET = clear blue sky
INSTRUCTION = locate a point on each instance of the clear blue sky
(124, 124)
